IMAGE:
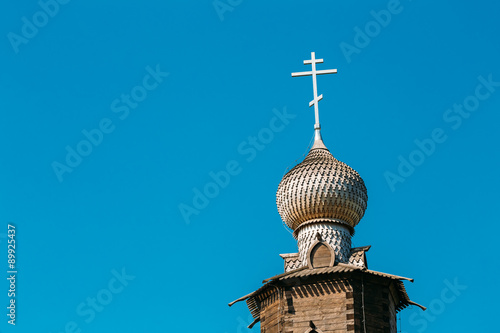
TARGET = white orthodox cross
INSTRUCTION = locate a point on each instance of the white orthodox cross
(313, 61)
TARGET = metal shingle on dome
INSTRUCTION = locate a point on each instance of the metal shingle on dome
(321, 188)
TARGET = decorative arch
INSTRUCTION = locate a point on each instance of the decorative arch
(320, 254)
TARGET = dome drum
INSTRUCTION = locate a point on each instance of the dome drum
(337, 236)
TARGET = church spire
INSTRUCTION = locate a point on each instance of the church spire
(313, 61)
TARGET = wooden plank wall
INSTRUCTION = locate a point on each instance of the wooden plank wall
(324, 303)
(377, 306)
(270, 313)
(333, 306)
(392, 310)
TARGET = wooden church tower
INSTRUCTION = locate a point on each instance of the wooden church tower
(327, 286)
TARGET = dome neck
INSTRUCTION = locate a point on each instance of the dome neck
(318, 140)
(317, 132)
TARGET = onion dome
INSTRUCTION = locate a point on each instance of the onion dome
(321, 189)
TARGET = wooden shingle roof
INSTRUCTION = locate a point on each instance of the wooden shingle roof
(305, 273)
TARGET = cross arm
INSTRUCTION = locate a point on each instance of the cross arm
(311, 61)
(325, 71)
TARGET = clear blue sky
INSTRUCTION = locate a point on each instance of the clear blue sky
(177, 90)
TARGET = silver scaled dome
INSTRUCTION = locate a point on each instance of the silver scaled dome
(321, 189)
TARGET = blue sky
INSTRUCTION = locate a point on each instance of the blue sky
(116, 113)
